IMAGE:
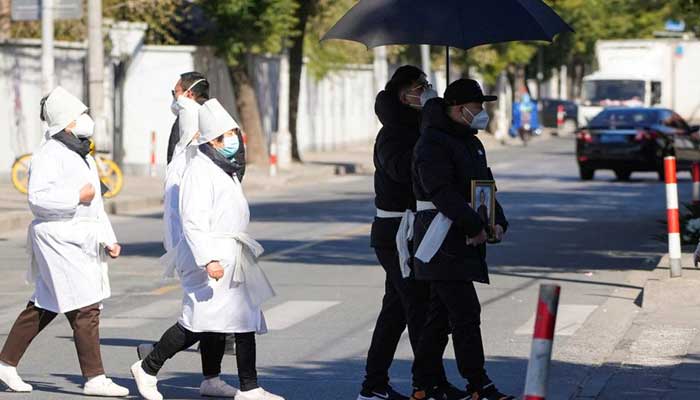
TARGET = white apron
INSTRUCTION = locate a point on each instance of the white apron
(66, 239)
(214, 216)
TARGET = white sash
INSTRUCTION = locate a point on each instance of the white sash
(435, 235)
(403, 236)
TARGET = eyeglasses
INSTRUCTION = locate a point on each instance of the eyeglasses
(423, 85)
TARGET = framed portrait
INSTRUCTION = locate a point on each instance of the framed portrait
(484, 203)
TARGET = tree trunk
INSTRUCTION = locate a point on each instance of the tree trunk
(296, 63)
(247, 103)
(5, 8)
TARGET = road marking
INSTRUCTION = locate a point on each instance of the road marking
(143, 315)
(337, 236)
(660, 346)
(552, 218)
(290, 313)
(570, 317)
(165, 289)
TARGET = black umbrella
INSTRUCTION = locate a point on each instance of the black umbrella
(451, 23)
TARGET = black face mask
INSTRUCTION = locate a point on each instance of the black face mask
(230, 167)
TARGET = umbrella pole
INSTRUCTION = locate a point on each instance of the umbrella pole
(447, 64)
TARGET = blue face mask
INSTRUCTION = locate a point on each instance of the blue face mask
(230, 148)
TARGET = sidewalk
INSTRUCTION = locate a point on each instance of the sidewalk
(659, 355)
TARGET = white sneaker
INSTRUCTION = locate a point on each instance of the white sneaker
(103, 386)
(146, 384)
(257, 394)
(216, 387)
(9, 376)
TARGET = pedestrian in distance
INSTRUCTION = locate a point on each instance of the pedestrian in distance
(450, 236)
(224, 285)
(405, 301)
(68, 241)
(191, 86)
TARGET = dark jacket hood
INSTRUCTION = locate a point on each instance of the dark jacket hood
(393, 113)
(435, 117)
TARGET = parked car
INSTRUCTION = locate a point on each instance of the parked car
(629, 139)
(558, 115)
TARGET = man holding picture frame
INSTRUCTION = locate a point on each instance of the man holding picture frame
(457, 213)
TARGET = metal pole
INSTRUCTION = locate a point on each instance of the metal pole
(672, 216)
(425, 60)
(47, 59)
(447, 66)
(542, 340)
(696, 183)
(96, 74)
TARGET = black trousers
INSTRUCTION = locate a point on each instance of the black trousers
(405, 304)
(458, 302)
(213, 345)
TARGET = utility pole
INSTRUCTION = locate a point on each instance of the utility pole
(96, 74)
(47, 59)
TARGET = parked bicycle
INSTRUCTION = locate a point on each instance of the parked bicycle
(110, 173)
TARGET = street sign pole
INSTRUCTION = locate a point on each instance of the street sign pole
(96, 74)
(47, 59)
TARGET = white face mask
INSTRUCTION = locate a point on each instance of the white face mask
(84, 126)
(176, 105)
(479, 121)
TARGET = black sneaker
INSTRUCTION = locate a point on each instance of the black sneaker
(387, 393)
(488, 392)
(451, 392)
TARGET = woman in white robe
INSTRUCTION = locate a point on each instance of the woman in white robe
(67, 241)
(223, 284)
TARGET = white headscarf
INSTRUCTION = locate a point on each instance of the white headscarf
(60, 109)
(214, 121)
(188, 122)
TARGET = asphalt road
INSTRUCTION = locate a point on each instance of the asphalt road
(585, 236)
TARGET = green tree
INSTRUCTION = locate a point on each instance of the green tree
(243, 28)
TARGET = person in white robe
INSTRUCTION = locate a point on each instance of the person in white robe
(224, 287)
(68, 241)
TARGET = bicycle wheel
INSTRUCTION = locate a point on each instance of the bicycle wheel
(111, 175)
(20, 172)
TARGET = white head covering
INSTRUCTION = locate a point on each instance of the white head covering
(214, 121)
(60, 109)
(188, 122)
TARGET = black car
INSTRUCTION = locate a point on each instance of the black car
(626, 139)
(560, 115)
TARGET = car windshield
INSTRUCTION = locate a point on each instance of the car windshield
(625, 118)
(613, 92)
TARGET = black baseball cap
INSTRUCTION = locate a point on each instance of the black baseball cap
(464, 91)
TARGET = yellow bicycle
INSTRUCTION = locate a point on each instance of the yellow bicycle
(110, 173)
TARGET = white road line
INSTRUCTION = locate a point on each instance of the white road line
(570, 317)
(143, 315)
(660, 346)
(291, 313)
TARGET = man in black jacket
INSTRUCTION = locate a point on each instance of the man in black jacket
(448, 156)
(405, 300)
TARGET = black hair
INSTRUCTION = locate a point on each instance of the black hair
(200, 90)
(42, 109)
(404, 77)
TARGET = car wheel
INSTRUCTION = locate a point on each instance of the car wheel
(623, 174)
(586, 173)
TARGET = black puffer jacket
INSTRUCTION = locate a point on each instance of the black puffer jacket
(448, 156)
(393, 152)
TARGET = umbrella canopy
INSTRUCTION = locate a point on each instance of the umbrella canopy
(453, 23)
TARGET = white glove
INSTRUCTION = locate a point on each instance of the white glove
(696, 256)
